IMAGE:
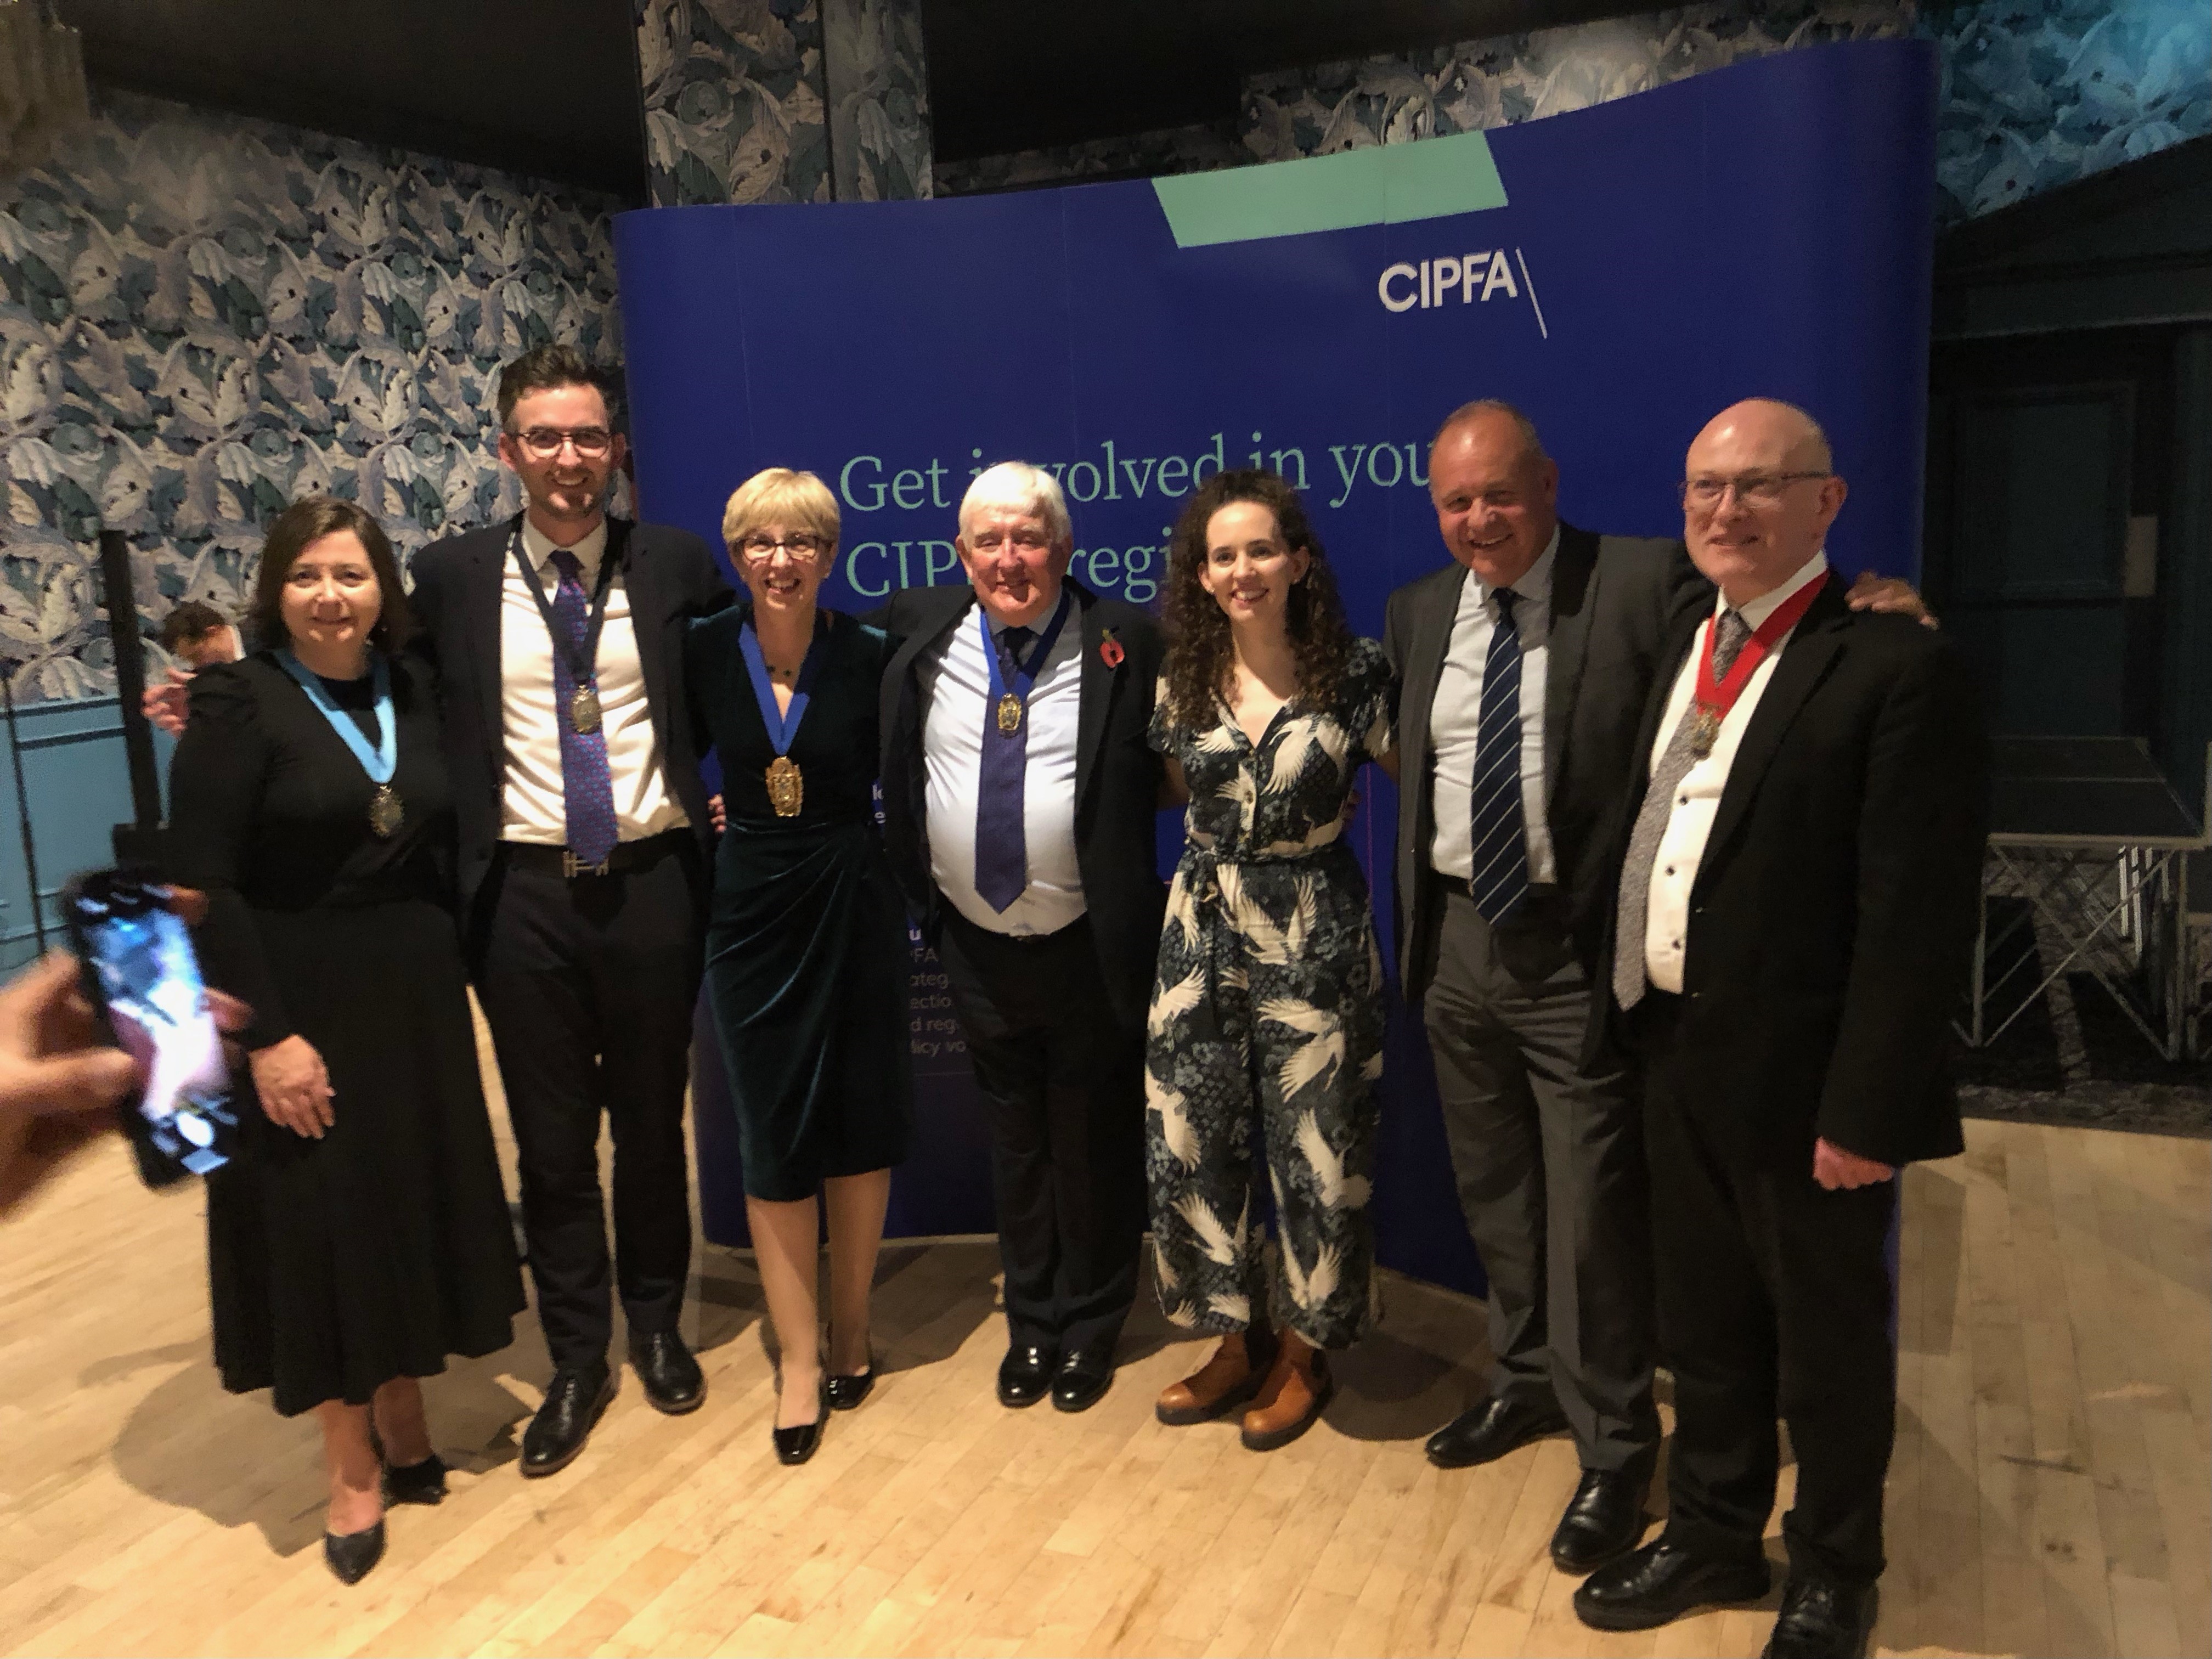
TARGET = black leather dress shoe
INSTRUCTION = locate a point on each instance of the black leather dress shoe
(1604, 1519)
(1082, 1379)
(1823, 1620)
(673, 1381)
(1025, 1375)
(351, 1555)
(1490, 1430)
(574, 1403)
(1661, 1581)
(415, 1483)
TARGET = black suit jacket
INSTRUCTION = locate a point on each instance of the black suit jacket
(1117, 778)
(1615, 604)
(1833, 920)
(669, 576)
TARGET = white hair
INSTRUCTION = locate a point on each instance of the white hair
(1026, 488)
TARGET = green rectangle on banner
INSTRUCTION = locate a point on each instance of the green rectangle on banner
(1381, 185)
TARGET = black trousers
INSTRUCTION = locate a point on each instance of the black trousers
(1774, 1299)
(1550, 1164)
(588, 984)
(1064, 1081)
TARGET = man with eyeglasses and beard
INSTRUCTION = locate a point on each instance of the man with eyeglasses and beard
(583, 841)
(556, 638)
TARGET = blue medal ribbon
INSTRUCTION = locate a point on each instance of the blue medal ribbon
(1025, 675)
(783, 724)
(380, 762)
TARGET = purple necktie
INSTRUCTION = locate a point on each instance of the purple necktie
(588, 787)
(1002, 859)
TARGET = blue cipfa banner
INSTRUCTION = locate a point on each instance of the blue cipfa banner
(1621, 273)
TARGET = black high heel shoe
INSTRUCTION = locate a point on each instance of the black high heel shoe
(415, 1483)
(351, 1555)
(408, 1483)
(846, 1390)
(795, 1446)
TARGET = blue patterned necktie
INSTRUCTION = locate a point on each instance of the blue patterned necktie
(1002, 859)
(588, 787)
(1500, 879)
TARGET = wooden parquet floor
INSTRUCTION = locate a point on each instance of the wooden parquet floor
(2052, 1493)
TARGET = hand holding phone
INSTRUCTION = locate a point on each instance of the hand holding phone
(58, 1077)
(141, 975)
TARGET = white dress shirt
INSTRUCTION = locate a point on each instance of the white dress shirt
(1698, 801)
(532, 805)
(956, 683)
(1456, 719)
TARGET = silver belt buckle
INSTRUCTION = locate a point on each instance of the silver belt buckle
(572, 866)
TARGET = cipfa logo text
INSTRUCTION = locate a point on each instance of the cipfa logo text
(1470, 276)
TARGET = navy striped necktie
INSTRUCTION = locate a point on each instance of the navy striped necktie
(1499, 877)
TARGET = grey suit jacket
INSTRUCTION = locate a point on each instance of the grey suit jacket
(1615, 600)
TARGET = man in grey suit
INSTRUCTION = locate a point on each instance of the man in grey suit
(1525, 664)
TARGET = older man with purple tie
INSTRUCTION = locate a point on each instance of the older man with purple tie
(1019, 803)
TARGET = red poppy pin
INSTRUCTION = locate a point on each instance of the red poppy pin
(1109, 649)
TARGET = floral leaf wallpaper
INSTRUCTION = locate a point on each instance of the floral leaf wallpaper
(2037, 93)
(203, 318)
(878, 96)
(1198, 149)
(734, 104)
(1523, 77)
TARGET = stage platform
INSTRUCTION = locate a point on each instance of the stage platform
(2049, 1493)
(2088, 872)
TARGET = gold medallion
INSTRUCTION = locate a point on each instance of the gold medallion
(785, 789)
(1704, 729)
(1009, 714)
(584, 708)
(386, 811)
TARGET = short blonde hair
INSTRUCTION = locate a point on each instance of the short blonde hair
(776, 495)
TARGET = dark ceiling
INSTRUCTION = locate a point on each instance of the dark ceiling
(1015, 74)
(549, 87)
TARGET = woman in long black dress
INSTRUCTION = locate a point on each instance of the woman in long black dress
(361, 1237)
(807, 942)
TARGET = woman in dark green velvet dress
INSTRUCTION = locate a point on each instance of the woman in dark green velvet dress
(807, 955)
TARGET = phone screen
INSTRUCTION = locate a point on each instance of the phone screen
(140, 959)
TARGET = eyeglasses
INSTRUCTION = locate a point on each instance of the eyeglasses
(1752, 489)
(542, 443)
(801, 548)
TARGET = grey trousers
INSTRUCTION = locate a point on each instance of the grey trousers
(1551, 1171)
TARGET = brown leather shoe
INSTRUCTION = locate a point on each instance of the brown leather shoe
(1225, 1382)
(1298, 1386)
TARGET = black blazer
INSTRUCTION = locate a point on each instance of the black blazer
(1615, 603)
(669, 576)
(1117, 779)
(1833, 921)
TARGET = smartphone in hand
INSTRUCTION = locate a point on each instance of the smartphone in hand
(142, 974)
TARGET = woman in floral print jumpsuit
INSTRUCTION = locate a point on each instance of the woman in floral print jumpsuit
(1266, 1030)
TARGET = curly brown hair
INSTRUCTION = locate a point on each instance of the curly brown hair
(1198, 655)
